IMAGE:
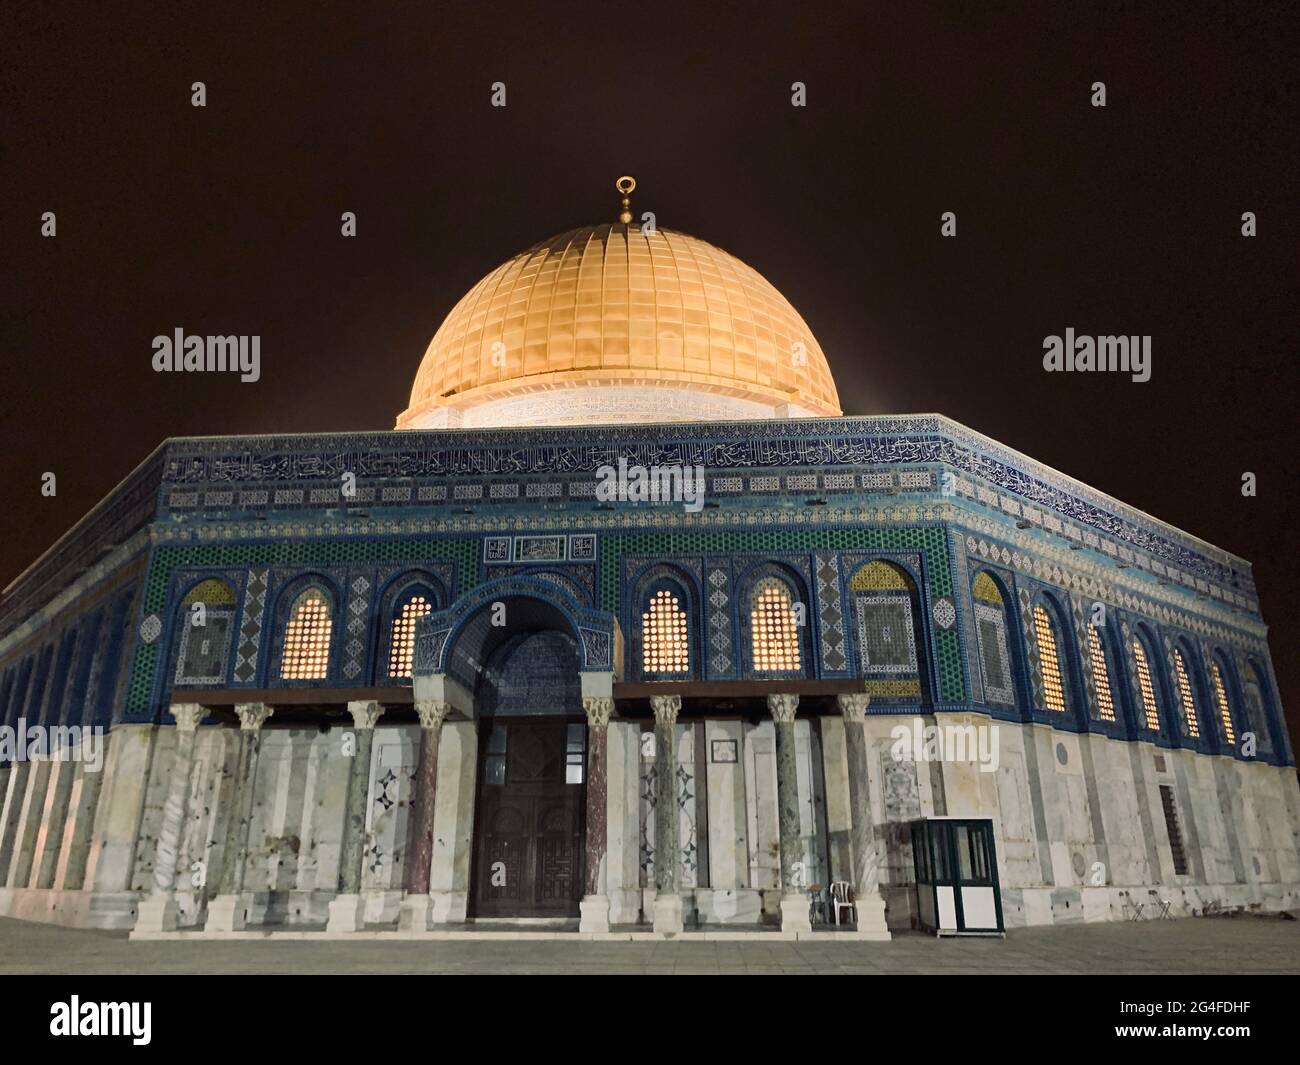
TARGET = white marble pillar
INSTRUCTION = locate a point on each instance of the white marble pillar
(862, 833)
(668, 859)
(794, 903)
(159, 911)
(226, 912)
(347, 910)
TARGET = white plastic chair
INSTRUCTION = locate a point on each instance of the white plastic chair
(842, 899)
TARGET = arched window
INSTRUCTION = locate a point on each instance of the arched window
(1049, 659)
(1150, 708)
(401, 643)
(307, 637)
(886, 606)
(205, 621)
(1221, 698)
(774, 627)
(1185, 697)
(991, 634)
(665, 645)
(1258, 706)
(1100, 676)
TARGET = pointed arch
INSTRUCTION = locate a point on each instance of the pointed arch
(1103, 665)
(773, 614)
(665, 624)
(889, 631)
(1222, 691)
(991, 605)
(1185, 690)
(1149, 691)
(407, 598)
(1261, 709)
(306, 615)
(1053, 656)
(204, 631)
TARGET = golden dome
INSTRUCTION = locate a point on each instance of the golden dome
(611, 323)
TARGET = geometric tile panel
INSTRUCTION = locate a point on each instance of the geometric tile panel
(830, 614)
(250, 627)
(1031, 644)
(358, 613)
(717, 594)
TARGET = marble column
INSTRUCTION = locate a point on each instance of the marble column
(594, 908)
(417, 903)
(158, 912)
(11, 819)
(794, 903)
(347, 911)
(226, 912)
(668, 860)
(862, 841)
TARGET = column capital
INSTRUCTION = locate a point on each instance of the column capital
(666, 708)
(252, 716)
(188, 715)
(782, 706)
(432, 712)
(365, 713)
(599, 709)
(853, 705)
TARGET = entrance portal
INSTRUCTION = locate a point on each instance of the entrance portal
(531, 815)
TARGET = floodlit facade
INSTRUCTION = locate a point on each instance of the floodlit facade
(627, 630)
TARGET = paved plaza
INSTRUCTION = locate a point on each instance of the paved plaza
(1189, 946)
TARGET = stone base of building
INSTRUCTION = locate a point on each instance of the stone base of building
(347, 914)
(794, 914)
(415, 913)
(593, 914)
(157, 913)
(226, 913)
(667, 915)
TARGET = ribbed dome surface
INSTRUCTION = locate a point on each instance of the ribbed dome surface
(608, 323)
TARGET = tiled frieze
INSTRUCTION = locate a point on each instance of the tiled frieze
(986, 472)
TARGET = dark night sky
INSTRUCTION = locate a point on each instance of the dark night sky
(226, 219)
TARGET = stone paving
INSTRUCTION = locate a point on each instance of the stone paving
(1189, 946)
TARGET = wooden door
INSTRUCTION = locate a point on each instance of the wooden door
(530, 818)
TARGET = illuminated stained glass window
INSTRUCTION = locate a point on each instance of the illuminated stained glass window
(307, 638)
(401, 646)
(1149, 709)
(1185, 694)
(1049, 660)
(665, 647)
(1221, 696)
(1100, 675)
(775, 631)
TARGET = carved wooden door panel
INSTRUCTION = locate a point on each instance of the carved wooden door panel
(530, 819)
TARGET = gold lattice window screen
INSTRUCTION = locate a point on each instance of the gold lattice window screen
(775, 630)
(307, 638)
(401, 648)
(665, 647)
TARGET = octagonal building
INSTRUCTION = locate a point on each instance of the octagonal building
(623, 554)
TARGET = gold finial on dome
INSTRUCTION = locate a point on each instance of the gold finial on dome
(626, 185)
